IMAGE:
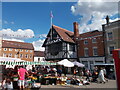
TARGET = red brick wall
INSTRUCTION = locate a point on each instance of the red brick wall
(99, 44)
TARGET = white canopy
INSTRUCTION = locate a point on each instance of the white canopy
(66, 63)
(10, 59)
(78, 64)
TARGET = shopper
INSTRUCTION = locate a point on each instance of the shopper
(21, 73)
(101, 75)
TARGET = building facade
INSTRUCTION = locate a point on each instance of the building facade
(39, 56)
(87, 48)
(60, 44)
(13, 49)
(91, 48)
(112, 38)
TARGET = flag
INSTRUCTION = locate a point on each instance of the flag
(51, 15)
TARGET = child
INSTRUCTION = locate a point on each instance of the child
(9, 84)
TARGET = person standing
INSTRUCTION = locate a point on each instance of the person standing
(21, 74)
(101, 75)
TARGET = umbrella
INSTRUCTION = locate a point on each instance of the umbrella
(66, 63)
(78, 64)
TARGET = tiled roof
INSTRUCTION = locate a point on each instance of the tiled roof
(65, 34)
(39, 54)
(17, 45)
(90, 34)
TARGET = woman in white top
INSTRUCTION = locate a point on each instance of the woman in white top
(101, 75)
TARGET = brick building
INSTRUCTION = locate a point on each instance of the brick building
(91, 48)
(87, 48)
(13, 49)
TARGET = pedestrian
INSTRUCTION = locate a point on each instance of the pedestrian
(3, 83)
(101, 76)
(105, 74)
(21, 74)
(95, 74)
(75, 72)
(87, 74)
(9, 84)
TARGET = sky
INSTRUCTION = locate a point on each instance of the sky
(30, 21)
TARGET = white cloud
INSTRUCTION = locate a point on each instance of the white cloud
(12, 22)
(20, 34)
(94, 11)
(38, 45)
(5, 22)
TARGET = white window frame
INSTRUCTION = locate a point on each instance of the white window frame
(16, 55)
(4, 55)
(21, 50)
(21, 55)
(94, 41)
(108, 36)
(30, 56)
(85, 53)
(94, 52)
(26, 55)
(85, 42)
(5, 49)
(109, 49)
(10, 49)
(31, 51)
(26, 50)
(16, 50)
(10, 55)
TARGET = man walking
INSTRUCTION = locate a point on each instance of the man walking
(21, 73)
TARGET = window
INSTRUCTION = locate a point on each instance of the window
(95, 51)
(72, 47)
(30, 50)
(21, 55)
(21, 50)
(10, 49)
(26, 50)
(16, 55)
(38, 59)
(10, 55)
(26, 56)
(4, 55)
(111, 48)
(30, 56)
(110, 36)
(86, 52)
(16, 50)
(5, 49)
(94, 40)
(86, 42)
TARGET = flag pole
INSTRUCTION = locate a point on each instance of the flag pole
(51, 16)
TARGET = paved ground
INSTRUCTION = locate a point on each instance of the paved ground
(109, 84)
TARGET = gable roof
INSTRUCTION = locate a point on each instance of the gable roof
(39, 54)
(17, 45)
(64, 34)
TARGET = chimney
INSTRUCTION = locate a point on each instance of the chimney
(76, 31)
(107, 19)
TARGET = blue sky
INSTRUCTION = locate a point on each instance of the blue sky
(27, 19)
(36, 16)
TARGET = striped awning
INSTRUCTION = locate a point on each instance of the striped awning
(25, 63)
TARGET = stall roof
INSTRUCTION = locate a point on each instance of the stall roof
(103, 64)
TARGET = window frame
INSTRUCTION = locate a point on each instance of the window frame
(94, 52)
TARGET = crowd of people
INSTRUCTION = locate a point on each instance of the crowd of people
(18, 75)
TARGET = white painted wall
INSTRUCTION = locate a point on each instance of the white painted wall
(39, 58)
